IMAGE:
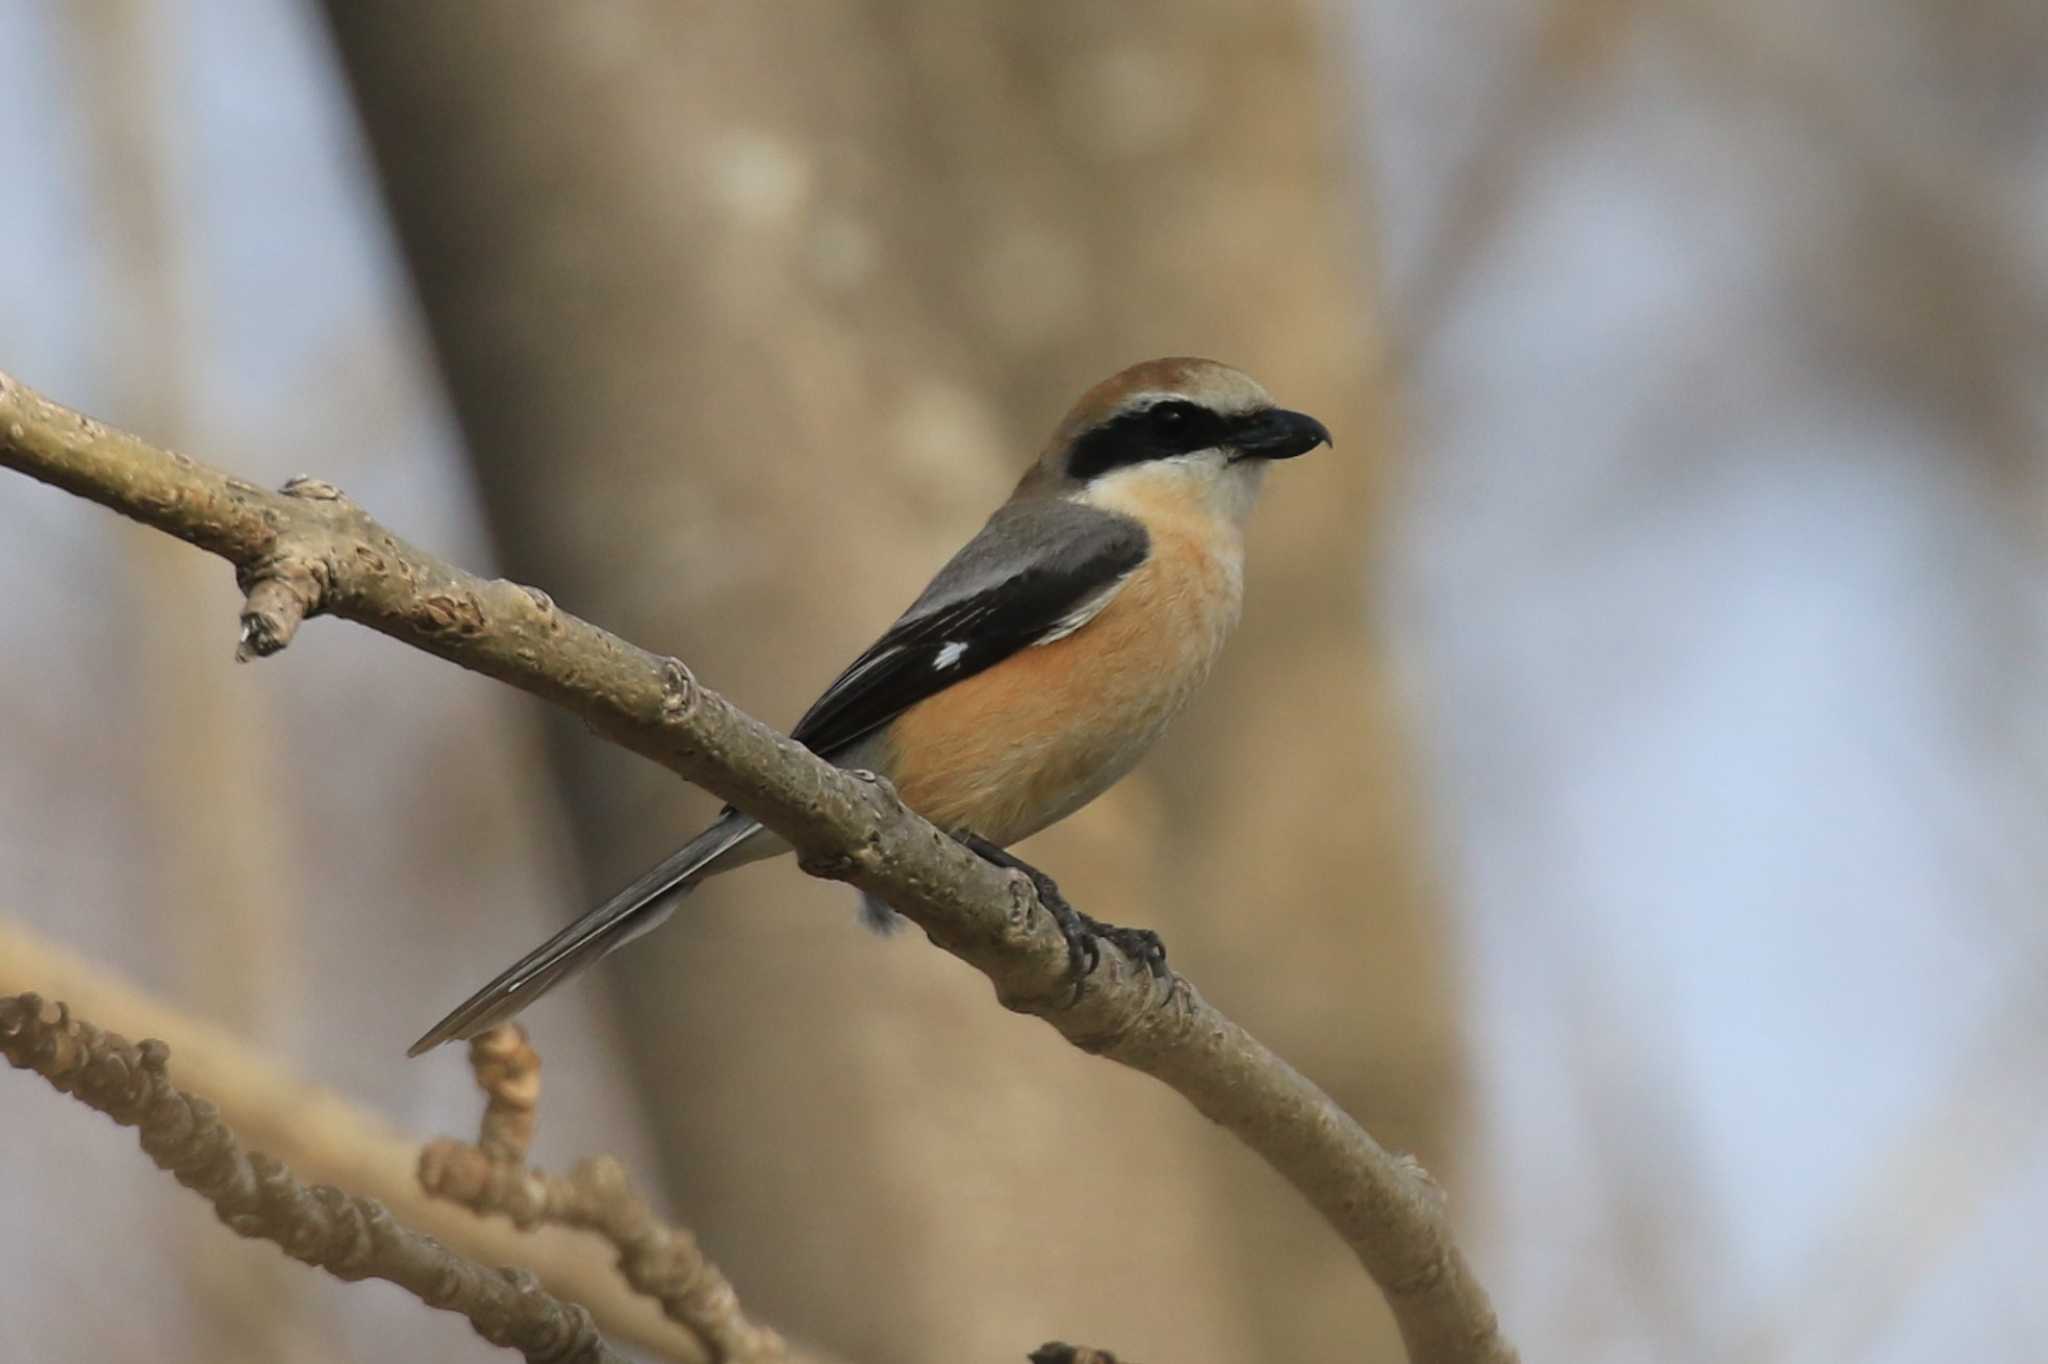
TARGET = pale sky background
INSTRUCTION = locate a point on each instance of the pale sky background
(1731, 647)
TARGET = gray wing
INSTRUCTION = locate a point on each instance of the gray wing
(1021, 581)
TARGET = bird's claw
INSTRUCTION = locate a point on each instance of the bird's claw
(1082, 933)
(1083, 956)
(1141, 945)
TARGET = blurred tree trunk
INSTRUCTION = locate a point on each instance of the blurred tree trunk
(750, 314)
(220, 909)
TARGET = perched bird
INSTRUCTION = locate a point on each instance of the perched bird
(1040, 664)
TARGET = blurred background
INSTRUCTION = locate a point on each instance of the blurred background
(1626, 791)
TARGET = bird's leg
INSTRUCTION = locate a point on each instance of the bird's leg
(1074, 926)
(1139, 944)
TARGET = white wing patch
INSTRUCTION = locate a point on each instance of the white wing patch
(949, 654)
(1082, 614)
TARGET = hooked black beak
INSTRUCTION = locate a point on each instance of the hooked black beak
(1277, 433)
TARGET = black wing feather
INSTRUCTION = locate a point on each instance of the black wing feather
(970, 634)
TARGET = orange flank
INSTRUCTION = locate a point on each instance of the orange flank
(1016, 748)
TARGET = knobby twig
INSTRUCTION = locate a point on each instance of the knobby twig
(307, 549)
(327, 1139)
(507, 1070)
(661, 1261)
(351, 1238)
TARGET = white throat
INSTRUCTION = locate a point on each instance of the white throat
(1207, 484)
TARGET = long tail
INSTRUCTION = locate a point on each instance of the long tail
(639, 908)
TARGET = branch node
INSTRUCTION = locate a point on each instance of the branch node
(507, 1070)
(312, 489)
(679, 691)
(1020, 916)
(545, 605)
(886, 794)
(279, 591)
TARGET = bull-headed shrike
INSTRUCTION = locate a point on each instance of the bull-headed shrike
(1040, 664)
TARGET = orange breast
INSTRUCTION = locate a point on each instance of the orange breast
(1034, 738)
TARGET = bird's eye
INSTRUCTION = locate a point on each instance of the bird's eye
(1165, 429)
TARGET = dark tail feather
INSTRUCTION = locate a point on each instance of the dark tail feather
(639, 908)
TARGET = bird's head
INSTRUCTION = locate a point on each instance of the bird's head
(1179, 426)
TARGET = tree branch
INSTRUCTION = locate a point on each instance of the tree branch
(307, 550)
(663, 1262)
(325, 1138)
(255, 1195)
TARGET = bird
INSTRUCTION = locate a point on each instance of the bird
(1042, 661)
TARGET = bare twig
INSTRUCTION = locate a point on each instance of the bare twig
(255, 1195)
(321, 553)
(327, 1139)
(507, 1070)
(661, 1261)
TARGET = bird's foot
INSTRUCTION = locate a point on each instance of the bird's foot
(1141, 945)
(1082, 932)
